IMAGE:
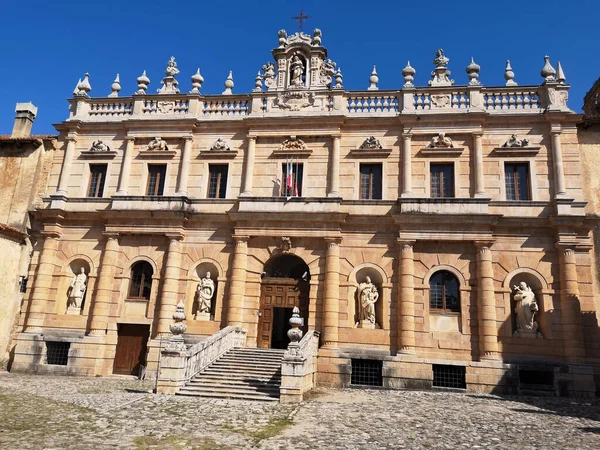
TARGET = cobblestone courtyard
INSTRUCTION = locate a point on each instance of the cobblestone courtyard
(40, 412)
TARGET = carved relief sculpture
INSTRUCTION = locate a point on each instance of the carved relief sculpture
(269, 75)
(77, 290)
(441, 74)
(327, 72)
(99, 146)
(297, 71)
(205, 291)
(367, 296)
(513, 141)
(158, 144)
(220, 146)
(371, 143)
(293, 143)
(525, 308)
(441, 141)
(169, 82)
(285, 245)
(294, 100)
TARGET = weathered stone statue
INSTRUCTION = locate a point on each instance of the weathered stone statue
(77, 290)
(525, 308)
(441, 141)
(297, 71)
(269, 74)
(158, 144)
(367, 296)
(99, 146)
(220, 146)
(371, 143)
(513, 141)
(205, 290)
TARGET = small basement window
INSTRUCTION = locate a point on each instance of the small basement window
(448, 376)
(541, 377)
(57, 353)
(367, 372)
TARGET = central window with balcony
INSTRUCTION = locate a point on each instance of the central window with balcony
(370, 181)
(442, 180)
(217, 180)
(156, 179)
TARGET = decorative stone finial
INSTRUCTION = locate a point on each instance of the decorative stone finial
(441, 74)
(169, 83)
(338, 79)
(84, 87)
(176, 342)
(560, 75)
(373, 79)
(409, 75)
(143, 81)
(317, 36)
(258, 83)
(197, 81)
(76, 90)
(509, 75)
(229, 84)
(548, 72)
(116, 87)
(282, 38)
(473, 72)
(295, 333)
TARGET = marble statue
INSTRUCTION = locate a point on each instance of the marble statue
(513, 141)
(77, 290)
(368, 296)
(99, 146)
(205, 290)
(441, 141)
(297, 71)
(157, 144)
(525, 308)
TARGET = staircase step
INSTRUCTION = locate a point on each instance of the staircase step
(241, 370)
(248, 389)
(233, 382)
(256, 365)
(257, 352)
(233, 396)
(236, 378)
(253, 359)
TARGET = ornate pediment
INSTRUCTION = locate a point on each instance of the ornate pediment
(99, 146)
(220, 146)
(293, 143)
(371, 143)
(294, 100)
(513, 141)
(157, 144)
(441, 141)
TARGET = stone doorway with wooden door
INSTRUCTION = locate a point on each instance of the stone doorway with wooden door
(131, 348)
(285, 284)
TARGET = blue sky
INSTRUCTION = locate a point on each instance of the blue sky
(47, 46)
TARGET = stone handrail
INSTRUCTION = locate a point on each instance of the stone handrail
(298, 368)
(179, 367)
(379, 103)
(513, 98)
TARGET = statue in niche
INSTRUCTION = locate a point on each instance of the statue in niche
(205, 291)
(99, 146)
(367, 296)
(77, 290)
(441, 141)
(296, 70)
(158, 144)
(513, 141)
(525, 307)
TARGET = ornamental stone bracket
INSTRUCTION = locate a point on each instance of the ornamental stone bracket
(442, 145)
(371, 147)
(293, 146)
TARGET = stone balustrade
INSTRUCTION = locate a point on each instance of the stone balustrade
(511, 99)
(367, 103)
(298, 368)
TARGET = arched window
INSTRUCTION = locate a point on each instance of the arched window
(443, 292)
(141, 280)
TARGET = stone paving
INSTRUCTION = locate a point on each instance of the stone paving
(51, 413)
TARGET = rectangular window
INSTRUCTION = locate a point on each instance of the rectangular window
(57, 353)
(442, 180)
(367, 372)
(97, 179)
(156, 179)
(291, 184)
(23, 285)
(516, 178)
(217, 180)
(448, 376)
(370, 181)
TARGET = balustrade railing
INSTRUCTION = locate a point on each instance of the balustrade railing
(226, 106)
(372, 103)
(111, 108)
(163, 106)
(426, 100)
(515, 99)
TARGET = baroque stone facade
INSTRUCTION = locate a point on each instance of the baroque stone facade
(422, 191)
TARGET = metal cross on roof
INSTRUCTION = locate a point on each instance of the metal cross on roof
(300, 18)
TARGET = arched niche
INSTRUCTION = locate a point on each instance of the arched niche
(70, 270)
(441, 320)
(195, 276)
(539, 286)
(137, 308)
(380, 279)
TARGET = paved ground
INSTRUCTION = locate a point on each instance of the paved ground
(40, 412)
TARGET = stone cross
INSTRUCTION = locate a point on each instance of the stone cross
(300, 18)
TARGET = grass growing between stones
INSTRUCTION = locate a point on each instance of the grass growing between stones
(275, 427)
(174, 442)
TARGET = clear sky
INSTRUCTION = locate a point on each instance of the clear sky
(47, 46)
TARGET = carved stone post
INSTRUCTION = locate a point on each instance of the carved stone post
(406, 302)
(557, 161)
(65, 172)
(123, 187)
(570, 307)
(249, 167)
(170, 286)
(238, 281)
(100, 306)
(331, 293)
(478, 163)
(43, 282)
(406, 165)
(334, 167)
(184, 167)
(486, 305)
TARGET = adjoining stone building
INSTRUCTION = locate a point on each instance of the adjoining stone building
(427, 232)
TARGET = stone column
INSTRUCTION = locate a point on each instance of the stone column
(184, 167)
(557, 161)
(478, 163)
(406, 301)
(486, 304)
(331, 293)
(238, 281)
(65, 172)
(123, 187)
(406, 165)
(570, 307)
(170, 286)
(100, 306)
(43, 282)
(334, 167)
(249, 167)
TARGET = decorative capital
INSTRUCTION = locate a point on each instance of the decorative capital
(333, 241)
(483, 246)
(175, 237)
(110, 235)
(405, 245)
(51, 234)
(241, 241)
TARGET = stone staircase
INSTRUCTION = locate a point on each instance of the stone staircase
(241, 373)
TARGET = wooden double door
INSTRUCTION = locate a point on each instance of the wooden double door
(131, 348)
(277, 300)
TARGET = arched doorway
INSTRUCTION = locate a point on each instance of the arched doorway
(285, 284)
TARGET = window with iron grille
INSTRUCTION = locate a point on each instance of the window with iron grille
(516, 178)
(444, 294)
(23, 285)
(97, 179)
(367, 372)
(217, 180)
(57, 353)
(449, 376)
(370, 181)
(141, 281)
(291, 186)
(442, 180)
(156, 179)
